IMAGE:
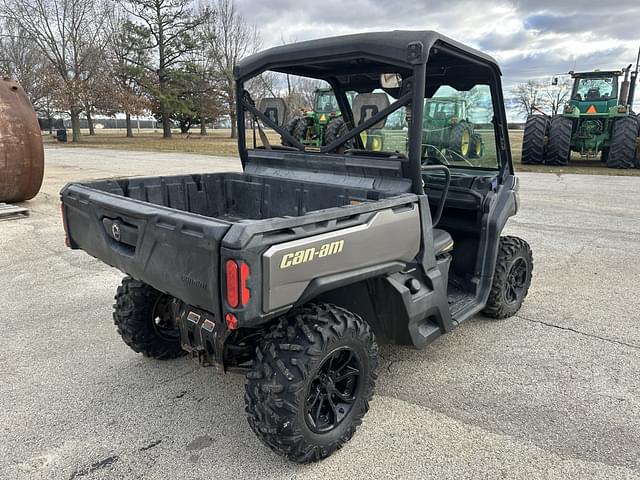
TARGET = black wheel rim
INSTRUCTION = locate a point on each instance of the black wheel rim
(516, 281)
(162, 319)
(333, 391)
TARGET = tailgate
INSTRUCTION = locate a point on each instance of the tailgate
(174, 251)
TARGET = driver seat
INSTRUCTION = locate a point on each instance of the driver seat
(442, 242)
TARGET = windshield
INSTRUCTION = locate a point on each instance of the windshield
(326, 102)
(457, 126)
(595, 89)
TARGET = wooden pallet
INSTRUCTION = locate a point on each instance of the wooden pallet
(11, 212)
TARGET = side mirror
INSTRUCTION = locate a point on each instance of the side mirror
(390, 80)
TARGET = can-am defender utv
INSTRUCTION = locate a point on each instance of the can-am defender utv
(295, 269)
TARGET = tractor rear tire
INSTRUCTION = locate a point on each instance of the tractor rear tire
(559, 145)
(622, 152)
(336, 129)
(460, 139)
(145, 322)
(511, 278)
(533, 141)
(313, 379)
(297, 128)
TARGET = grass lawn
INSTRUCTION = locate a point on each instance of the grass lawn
(217, 142)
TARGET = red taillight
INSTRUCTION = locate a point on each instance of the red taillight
(232, 321)
(232, 283)
(237, 292)
(245, 294)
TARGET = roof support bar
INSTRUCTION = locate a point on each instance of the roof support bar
(270, 123)
(401, 102)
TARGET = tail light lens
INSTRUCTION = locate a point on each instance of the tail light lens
(232, 283)
(237, 276)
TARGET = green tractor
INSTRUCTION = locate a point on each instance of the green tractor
(446, 126)
(597, 119)
(322, 123)
(445, 129)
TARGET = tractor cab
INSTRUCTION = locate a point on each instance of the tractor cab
(594, 92)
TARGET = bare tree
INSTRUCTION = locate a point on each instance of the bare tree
(555, 96)
(164, 29)
(22, 60)
(230, 38)
(528, 95)
(69, 33)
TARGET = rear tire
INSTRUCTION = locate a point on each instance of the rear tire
(511, 278)
(297, 128)
(144, 319)
(533, 142)
(622, 151)
(559, 145)
(314, 376)
(336, 128)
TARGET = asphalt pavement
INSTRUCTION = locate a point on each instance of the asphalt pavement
(550, 394)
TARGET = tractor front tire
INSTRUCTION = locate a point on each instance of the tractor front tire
(511, 278)
(559, 144)
(476, 146)
(533, 141)
(314, 376)
(336, 128)
(622, 151)
(460, 139)
(143, 316)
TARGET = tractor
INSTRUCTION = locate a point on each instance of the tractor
(446, 126)
(322, 122)
(599, 118)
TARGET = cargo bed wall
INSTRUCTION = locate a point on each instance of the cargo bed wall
(232, 197)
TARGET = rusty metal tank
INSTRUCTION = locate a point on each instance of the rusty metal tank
(21, 150)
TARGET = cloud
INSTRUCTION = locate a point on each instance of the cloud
(529, 38)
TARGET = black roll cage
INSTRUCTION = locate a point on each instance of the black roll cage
(412, 99)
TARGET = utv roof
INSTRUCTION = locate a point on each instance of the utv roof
(335, 56)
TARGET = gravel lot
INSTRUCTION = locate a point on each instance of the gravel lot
(551, 394)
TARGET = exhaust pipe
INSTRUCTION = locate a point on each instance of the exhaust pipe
(624, 87)
(634, 79)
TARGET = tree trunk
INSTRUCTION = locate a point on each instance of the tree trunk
(92, 130)
(128, 122)
(75, 125)
(166, 123)
(234, 127)
(203, 127)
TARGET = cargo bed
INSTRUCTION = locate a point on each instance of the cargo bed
(169, 231)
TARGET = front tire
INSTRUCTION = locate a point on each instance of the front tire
(460, 139)
(314, 376)
(476, 147)
(144, 319)
(511, 278)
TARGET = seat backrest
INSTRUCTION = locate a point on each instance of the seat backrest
(366, 105)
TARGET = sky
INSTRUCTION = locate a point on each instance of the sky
(529, 38)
